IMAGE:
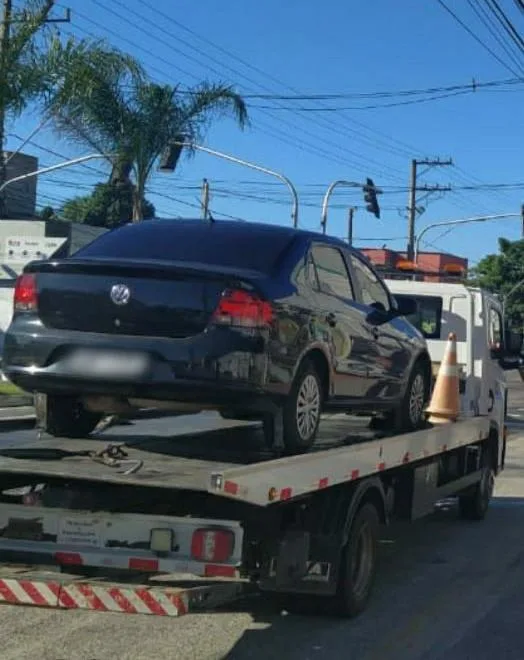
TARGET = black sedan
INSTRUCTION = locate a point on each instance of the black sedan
(255, 320)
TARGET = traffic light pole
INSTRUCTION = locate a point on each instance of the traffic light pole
(245, 163)
(331, 188)
(369, 188)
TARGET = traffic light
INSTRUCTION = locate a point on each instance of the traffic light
(370, 197)
(170, 156)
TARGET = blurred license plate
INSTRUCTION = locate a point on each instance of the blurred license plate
(110, 364)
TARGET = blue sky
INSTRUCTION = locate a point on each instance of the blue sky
(312, 48)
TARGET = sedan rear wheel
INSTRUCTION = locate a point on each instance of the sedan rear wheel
(67, 417)
(302, 409)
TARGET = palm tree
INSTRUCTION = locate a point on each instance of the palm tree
(20, 76)
(123, 114)
(35, 65)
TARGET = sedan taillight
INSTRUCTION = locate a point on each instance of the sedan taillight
(242, 308)
(25, 297)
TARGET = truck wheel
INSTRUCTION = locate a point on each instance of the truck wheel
(474, 505)
(67, 417)
(359, 563)
(302, 409)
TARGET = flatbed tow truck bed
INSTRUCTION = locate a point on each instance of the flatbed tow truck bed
(113, 522)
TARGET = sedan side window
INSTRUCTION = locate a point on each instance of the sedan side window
(332, 273)
(372, 289)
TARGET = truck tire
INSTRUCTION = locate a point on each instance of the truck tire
(302, 410)
(67, 417)
(474, 505)
(359, 563)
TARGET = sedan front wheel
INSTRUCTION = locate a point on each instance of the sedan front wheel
(415, 399)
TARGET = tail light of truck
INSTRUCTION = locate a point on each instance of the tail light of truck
(212, 544)
(242, 308)
(25, 297)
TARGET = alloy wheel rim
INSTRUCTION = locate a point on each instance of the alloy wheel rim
(308, 407)
(416, 399)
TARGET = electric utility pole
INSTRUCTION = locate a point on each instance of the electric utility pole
(522, 223)
(205, 199)
(351, 213)
(412, 203)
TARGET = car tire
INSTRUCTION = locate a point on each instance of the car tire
(67, 417)
(302, 409)
(412, 410)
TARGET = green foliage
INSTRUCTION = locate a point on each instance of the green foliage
(48, 213)
(503, 274)
(110, 106)
(22, 77)
(109, 205)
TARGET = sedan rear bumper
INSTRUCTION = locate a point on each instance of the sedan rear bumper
(212, 367)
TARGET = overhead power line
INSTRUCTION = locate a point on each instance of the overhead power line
(477, 39)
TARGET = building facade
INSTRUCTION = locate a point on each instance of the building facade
(430, 266)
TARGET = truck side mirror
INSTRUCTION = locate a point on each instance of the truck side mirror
(513, 342)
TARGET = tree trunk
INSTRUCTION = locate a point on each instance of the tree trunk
(138, 196)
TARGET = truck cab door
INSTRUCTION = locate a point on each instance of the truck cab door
(494, 386)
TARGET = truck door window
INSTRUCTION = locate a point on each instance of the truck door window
(372, 289)
(332, 273)
(428, 317)
(494, 330)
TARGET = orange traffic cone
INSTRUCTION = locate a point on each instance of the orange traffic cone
(445, 401)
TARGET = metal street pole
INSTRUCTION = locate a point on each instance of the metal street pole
(332, 186)
(350, 225)
(258, 168)
(52, 168)
(462, 221)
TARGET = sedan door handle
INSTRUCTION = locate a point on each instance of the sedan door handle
(331, 319)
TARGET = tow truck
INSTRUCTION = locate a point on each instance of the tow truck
(121, 522)
(164, 525)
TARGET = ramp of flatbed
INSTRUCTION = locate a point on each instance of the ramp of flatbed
(178, 461)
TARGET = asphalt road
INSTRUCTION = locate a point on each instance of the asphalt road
(446, 589)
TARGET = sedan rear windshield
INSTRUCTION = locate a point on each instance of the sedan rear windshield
(236, 245)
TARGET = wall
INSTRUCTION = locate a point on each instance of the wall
(20, 197)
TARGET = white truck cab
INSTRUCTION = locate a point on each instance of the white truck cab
(476, 318)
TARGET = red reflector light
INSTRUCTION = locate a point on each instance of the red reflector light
(68, 558)
(238, 307)
(25, 296)
(214, 570)
(139, 564)
(211, 544)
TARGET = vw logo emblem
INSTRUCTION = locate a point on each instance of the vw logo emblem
(120, 294)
